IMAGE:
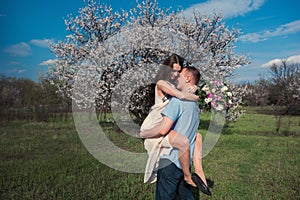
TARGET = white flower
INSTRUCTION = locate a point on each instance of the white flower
(205, 89)
(229, 101)
(207, 100)
(224, 89)
(229, 94)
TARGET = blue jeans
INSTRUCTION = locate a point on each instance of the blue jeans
(170, 182)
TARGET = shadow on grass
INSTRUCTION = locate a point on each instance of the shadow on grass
(210, 183)
(204, 124)
(227, 129)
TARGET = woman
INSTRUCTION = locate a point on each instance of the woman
(164, 88)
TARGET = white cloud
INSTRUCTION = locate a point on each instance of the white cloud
(41, 43)
(276, 61)
(228, 8)
(21, 71)
(282, 30)
(22, 49)
(293, 60)
(49, 62)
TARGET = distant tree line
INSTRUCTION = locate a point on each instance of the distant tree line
(22, 98)
(281, 89)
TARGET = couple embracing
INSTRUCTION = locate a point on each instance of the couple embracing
(171, 133)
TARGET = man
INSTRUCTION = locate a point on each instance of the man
(183, 117)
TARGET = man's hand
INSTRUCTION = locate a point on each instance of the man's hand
(159, 130)
(192, 89)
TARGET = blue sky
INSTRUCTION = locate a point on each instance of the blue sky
(271, 31)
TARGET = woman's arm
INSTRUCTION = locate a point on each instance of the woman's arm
(169, 89)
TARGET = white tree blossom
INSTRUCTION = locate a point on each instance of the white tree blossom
(119, 53)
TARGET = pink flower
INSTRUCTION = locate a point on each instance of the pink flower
(213, 104)
(219, 98)
(218, 83)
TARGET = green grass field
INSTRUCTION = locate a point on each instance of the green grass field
(48, 161)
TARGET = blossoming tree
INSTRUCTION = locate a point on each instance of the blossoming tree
(109, 59)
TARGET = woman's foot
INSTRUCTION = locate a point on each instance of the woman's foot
(188, 180)
(200, 184)
(200, 173)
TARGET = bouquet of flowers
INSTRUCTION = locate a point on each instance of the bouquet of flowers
(219, 96)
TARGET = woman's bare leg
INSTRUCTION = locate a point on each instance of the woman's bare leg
(197, 158)
(182, 144)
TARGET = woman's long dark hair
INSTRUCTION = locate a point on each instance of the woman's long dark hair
(166, 67)
(173, 59)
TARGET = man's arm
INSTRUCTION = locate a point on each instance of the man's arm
(159, 130)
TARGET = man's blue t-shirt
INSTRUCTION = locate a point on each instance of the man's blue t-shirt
(186, 118)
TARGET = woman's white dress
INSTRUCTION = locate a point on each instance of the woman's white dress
(155, 146)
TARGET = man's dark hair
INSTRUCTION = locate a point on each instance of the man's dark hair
(195, 73)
